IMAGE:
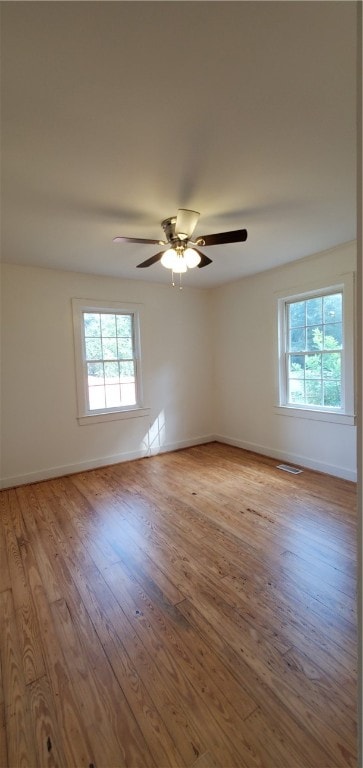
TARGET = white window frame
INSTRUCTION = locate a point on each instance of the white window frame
(346, 413)
(84, 414)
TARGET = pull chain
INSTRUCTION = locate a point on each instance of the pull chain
(173, 280)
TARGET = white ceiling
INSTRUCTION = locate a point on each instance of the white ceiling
(116, 114)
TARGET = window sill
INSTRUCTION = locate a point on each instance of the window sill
(97, 418)
(305, 413)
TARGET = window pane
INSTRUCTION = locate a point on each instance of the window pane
(297, 339)
(93, 349)
(92, 324)
(109, 347)
(332, 365)
(314, 337)
(314, 393)
(314, 311)
(96, 397)
(128, 394)
(108, 325)
(112, 373)
(296, 366)
(333, 308)
(127, 369)
(125, 347)
(333, 336)
(332, 394)
(113, 396)
(313, 367)
(124, 325)
(95, 373)
(296, 391)
(297, 314)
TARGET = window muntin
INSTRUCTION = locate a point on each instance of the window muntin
(313, 351)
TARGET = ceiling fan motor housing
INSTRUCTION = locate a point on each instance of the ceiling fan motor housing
(168, 226)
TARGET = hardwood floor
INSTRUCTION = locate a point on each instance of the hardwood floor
(195, 608)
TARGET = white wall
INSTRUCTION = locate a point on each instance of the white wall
(245, 369)
(208, 368)
(40, 433)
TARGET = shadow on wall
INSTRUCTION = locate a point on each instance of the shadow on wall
(155, 436)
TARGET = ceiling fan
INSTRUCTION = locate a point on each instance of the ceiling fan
(182, 253)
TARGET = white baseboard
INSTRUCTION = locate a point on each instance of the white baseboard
(292, 458)
(83, 466)
(104, 461)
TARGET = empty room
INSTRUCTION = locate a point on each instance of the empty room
(178, 503)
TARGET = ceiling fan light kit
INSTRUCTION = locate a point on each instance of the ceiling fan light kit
(181, 254)
(192, 258)
(169, 258)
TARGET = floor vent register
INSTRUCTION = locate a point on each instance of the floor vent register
(287, 468)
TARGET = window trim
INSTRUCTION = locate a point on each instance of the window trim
(345, 414)
(84, 414)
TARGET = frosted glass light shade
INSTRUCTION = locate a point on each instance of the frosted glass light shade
(191, 257)
(180, 265)
(169, 258)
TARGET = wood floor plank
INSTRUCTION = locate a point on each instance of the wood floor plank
(3, 745)
(195, 609)
(112, 716)
(273, 709)
(279, 573)
(206, 761)
(275, 625)
(193, 688)
(99, 703)
(328, 596)
(151, 721)
(128, 591)
(72, 729)
(283, 748)
(198, 721)
(305, 701)
(47, 739)
(298, 628)
(342, 697)
(28, 634)
(5, 581)
(118, 534)
(111, 622)
(19, 734)
(228, 722)
(39, 537)
(2, 699)
(232, 474)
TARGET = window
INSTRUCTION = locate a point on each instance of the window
(316, 351)
(108, 362)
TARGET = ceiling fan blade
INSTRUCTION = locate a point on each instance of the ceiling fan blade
(152, 260)
(186, 222)
(137, 240)
(204, 260)
(236, 236)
